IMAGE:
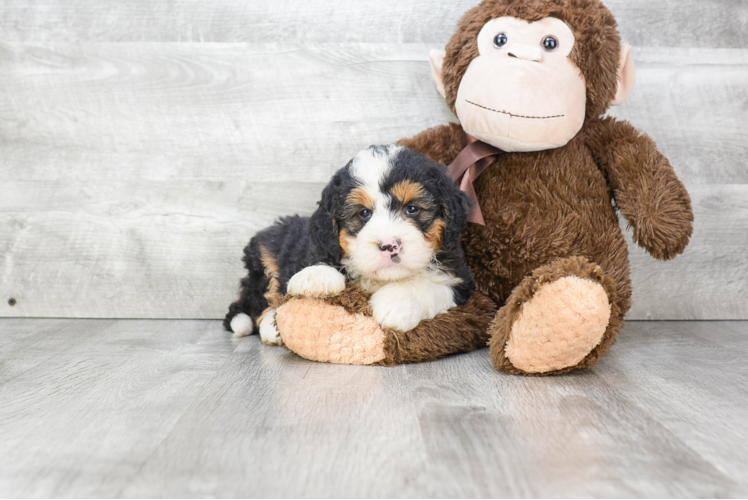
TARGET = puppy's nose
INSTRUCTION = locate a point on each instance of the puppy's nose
(391, 246)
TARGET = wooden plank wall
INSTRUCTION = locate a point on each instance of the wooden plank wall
(143, 143)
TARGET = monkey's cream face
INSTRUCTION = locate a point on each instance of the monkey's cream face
(523, 92)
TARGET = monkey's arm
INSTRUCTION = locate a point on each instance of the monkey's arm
(649, 194)
(441, 143)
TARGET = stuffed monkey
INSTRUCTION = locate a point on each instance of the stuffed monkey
(530, 81)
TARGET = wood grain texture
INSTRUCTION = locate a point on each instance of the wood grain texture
(96, 398)
(659, 23)
(135, 173)
(179, 409)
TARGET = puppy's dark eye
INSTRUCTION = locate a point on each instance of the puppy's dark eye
(365, 213)
(500, 40)
(411, 210)
(550, 43)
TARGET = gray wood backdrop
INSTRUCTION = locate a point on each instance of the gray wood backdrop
(143, 143)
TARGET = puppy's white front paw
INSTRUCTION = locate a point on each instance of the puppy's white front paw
(316, 281)
(396, 310)
(269, 334)
(402, 305)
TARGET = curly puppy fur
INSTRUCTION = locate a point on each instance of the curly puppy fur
(274, 255)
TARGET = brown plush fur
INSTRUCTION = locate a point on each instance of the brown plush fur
(539, 207)
(652, 199)
(462, 329)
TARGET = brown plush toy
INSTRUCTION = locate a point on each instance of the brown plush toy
(530, 81)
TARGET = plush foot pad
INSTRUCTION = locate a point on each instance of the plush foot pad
(307, 325)
(559, 326)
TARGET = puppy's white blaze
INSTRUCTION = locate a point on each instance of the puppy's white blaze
(241, 325)
(370, 166)
(403, 304)
(316, 281)
(268, 331)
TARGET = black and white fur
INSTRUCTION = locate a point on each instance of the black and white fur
(389, 221)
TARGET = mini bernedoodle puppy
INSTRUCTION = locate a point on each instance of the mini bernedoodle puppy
(390, 221)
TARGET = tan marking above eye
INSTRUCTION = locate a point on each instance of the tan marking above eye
(406, 191)
(359, 196)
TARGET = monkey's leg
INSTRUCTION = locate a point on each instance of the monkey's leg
(341, 329)
(562, 317)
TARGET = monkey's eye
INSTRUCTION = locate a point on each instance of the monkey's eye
(412, 210)
(500, 40)
(365, 213)
(550, 43)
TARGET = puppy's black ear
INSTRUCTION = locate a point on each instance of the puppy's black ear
(323, 228)
(455, 210)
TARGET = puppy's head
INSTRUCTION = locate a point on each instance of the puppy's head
(388, 214)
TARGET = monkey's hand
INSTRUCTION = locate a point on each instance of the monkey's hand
(649, 194)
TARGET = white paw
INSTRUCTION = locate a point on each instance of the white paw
(403, 316)
(268, 331)
(402, 305)
(241, 325)
(316, 281)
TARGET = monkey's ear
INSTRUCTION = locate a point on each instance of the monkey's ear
(626, 75)
(436, 58)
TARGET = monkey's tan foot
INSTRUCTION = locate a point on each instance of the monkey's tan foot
(320, 331)
(561, 318)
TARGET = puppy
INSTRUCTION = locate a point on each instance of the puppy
(389, 221)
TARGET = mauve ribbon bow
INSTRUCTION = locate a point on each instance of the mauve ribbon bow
(475, 157)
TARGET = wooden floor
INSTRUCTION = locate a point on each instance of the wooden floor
(177, 408)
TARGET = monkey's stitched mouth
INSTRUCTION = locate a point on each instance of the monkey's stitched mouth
(512, 114)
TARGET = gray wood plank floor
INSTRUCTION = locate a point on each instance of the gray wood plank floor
(177, 408)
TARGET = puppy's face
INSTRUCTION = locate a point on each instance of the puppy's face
(392, 210)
